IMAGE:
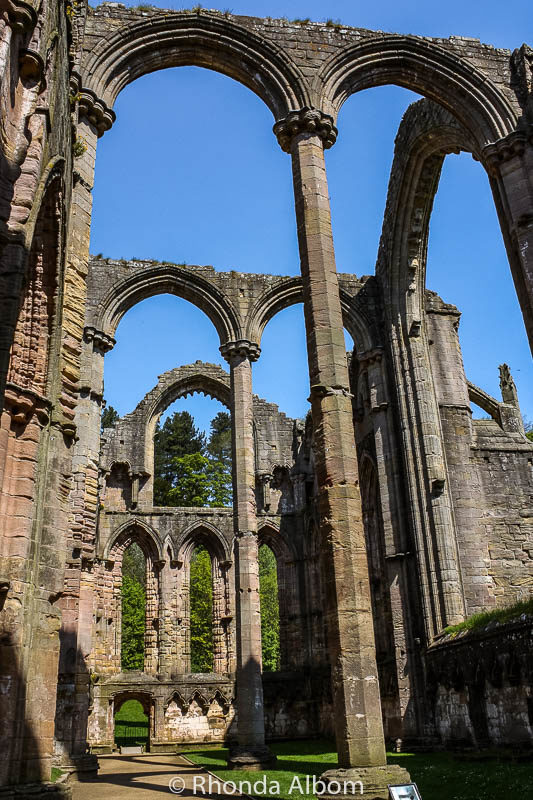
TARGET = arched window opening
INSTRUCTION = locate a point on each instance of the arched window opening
(348, 340)
(192, 460)
(217, 180)
(465, 269)
(269, 598)
(132, 725)
(151, 342)
(362, 157)
(281, 375)
(201, 611)
(133, 594)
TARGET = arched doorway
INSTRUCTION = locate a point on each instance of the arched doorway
(132, 720)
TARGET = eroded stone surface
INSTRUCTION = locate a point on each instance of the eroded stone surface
(390, 511)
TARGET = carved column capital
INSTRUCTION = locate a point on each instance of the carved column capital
(497, 153)
(95, 110)
(101, 341)
(306, 120)
(21, 15)
(242, 348)
(32, 67)
(22, 403)
(373, 356)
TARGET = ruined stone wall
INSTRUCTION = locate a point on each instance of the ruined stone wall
(200, 709)
(489, 469)
(35, 385)
(480, 686)
(505, 467)
(167, 537)
(61, 69)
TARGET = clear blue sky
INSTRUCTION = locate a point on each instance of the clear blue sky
(192, 172)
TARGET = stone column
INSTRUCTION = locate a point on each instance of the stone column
(399, 564)
(357, 709)
(79, 595)
(509, 163)
(251, 751)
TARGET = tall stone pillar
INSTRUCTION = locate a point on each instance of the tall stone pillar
(356, 700)
(81, 367)
(509, 163)
(400, 568)
(251, 751)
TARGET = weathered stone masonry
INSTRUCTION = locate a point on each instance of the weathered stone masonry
(390, 511)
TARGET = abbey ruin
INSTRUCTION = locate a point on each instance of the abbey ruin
(391, 512)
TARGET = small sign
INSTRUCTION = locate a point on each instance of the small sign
(408, 791)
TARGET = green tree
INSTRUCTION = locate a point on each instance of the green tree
(268, 594)
(528, 427)
(219, 444)
(177, 437)
(201, 611)
(133, 608)
(109, 417)
(134, 564)
(199, 481)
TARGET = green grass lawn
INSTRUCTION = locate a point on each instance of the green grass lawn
(439, 776)
(131, 724)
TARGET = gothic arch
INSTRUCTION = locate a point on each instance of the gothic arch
(426, 135)
(35, 309)
(432, 70)
(368, 477)
(207, 379)
(289, 292)
(206, 534)
(288, 596)
(139, 426)
(143, 696)
(272, 537)
(134, 530)
(202, 39)
(169, 279)
(176, 697)
(168, 549)
(53, 172)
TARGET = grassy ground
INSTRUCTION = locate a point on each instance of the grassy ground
(131, 724)
(439, 776)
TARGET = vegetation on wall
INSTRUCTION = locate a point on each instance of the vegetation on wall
(500, 615)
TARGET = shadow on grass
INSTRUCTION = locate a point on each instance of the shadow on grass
(439, 776)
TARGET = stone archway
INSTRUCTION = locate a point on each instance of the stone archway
(290, 620)
(131, 728)
(108, 582)
(435, 70)
(115, 57)
(206, 536)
